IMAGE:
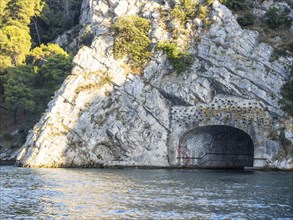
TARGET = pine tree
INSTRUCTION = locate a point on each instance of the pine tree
(22, 10)
(3, 5)
(15, 40)
(15, 44)
(57, 16)
(17, 89)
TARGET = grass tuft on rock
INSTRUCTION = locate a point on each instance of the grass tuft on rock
(132, 40)
(178, 59)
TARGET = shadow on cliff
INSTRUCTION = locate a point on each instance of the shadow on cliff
(101, 122)
(121, 127)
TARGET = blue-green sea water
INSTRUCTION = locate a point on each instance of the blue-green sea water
(144, 194)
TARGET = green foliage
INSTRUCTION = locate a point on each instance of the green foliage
(6, 135)
(3, 5)
(87, 37)
(287, 94)
(278, 52)
(51, 64)
(29, 77)
(276, 18)
(22, 10)
(56, 17)
(275, 22)
(189, 7)
(17, 91)
(43, 52)
(55, 70)
(178, 13)
(36, 82)
(132, 40)
(184, 10)
(237, 4)
(209, 2)
(203, 12)
(14, 44)
(15, 41)
(178, 59)
(207, 22)
(246, 20)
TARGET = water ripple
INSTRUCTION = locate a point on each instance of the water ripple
(143, 194)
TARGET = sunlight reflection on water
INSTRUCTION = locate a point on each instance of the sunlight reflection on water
(145, 194)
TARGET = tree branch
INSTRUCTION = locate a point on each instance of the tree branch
(6, 109)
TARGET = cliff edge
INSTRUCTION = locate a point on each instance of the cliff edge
(105, 114)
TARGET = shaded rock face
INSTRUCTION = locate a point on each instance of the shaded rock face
(105, 116)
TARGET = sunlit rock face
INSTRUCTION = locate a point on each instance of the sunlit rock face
(103, 115)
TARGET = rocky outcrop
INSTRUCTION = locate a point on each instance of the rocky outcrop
(103, 115)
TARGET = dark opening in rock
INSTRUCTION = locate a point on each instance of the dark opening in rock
(216, 146)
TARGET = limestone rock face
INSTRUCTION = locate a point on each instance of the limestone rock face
(103, 115)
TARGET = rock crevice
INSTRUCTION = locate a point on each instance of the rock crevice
(103, 115)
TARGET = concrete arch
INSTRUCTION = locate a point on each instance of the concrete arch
(215, 146)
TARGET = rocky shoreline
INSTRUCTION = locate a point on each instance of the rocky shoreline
(246, 169)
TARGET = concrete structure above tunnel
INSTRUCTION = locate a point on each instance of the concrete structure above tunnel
(226, 133)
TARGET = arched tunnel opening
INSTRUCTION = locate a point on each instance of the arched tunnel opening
(216, 146)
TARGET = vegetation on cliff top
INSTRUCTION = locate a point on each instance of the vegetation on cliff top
(179, 60)
(15, 40)
(184, 10)
(132, 40)
(273, 28)
(274, 24)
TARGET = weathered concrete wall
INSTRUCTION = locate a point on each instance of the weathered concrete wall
(215, 146)
(246, 115)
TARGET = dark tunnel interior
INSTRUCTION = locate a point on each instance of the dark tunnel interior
(216, 146)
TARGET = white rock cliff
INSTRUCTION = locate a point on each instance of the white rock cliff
(105, 116)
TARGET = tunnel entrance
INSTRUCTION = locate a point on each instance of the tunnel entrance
(216, 146)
